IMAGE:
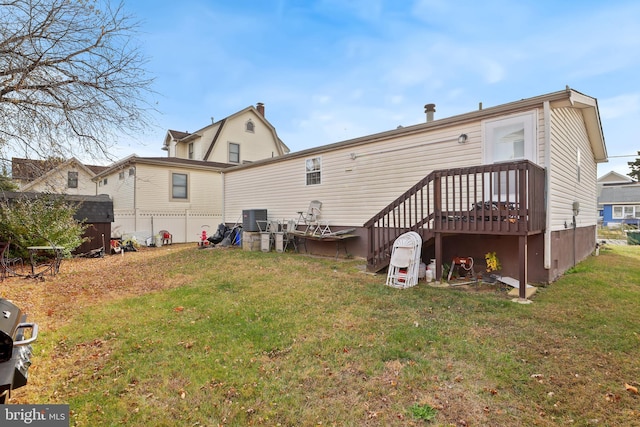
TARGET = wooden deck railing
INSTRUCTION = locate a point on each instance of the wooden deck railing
(504, 198)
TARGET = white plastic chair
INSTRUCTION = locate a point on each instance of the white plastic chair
(404, 266)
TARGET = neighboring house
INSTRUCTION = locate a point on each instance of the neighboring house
(614, 178)
(607, 180)
(151, 194)
(24, 171)
(182, 193)
(533, 161)
(620, 204)
(55, 176)
(242, 137)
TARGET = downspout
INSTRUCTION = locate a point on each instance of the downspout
(223, 198)
(547, 165)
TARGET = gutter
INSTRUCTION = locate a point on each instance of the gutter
(461, 119)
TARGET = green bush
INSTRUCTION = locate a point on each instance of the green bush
(42, 220)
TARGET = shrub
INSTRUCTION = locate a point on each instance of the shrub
(42, 220)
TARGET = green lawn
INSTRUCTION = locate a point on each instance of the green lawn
(285, 339)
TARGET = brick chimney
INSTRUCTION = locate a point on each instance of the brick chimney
(260, 108)
(429, 109)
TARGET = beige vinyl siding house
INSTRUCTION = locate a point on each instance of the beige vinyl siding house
(181, 196)
(614, 178)
(182, 193)
(67, 177)
(357, 179)
(361, 176)
(558, 133)
(245, 136)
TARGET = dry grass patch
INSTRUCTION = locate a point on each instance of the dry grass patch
(180, 336)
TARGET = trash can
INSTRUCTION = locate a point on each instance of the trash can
(265, 242)
(279, 241)
(633, 237)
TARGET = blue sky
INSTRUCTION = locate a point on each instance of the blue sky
(330, 70)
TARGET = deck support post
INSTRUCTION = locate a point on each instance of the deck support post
(522, 265)
(438, 248)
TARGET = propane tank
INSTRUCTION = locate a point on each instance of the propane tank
(431, 268)
(429, 275)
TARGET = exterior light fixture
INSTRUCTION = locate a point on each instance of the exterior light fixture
(462, 138)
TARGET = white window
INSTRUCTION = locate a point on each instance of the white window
(249, 126)
(617, 212)
(625, 212)
(314, 170)
(132, 171)
(121, 175)
(191, 150)
(510, 139)
(234, 152)
(179, 186)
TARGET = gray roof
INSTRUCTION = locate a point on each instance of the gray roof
(623, 194)
(163, 161)
(91, 209)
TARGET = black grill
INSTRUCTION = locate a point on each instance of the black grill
(15, 348)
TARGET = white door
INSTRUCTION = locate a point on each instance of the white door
(506, 140)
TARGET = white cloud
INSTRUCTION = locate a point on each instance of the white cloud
(331, 70)
(619, 106)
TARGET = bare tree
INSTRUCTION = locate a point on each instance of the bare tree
(71, 77)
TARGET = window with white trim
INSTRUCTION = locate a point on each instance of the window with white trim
(179, 186)
(313, 168)
(234, 152)
(510, 139)
(190, 147)
(625, 211)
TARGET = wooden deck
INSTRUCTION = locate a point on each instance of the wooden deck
(499, 199)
